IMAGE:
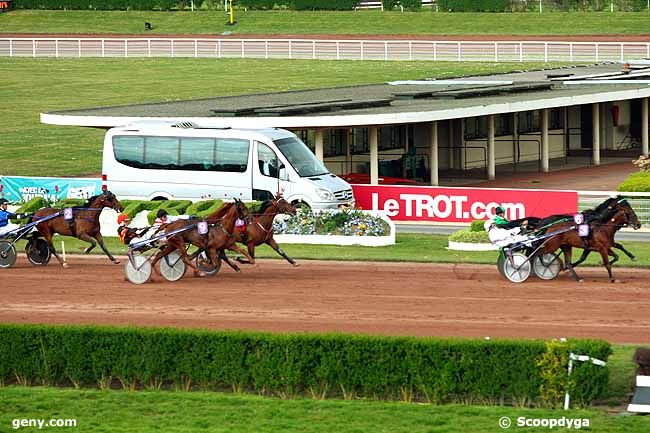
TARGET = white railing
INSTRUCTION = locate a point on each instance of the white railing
(493, 51)
(640, 202)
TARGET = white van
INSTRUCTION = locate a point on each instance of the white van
(159, 160)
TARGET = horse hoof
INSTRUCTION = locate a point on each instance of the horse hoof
(295, 265)
(581, 280)
(117, 262)
(65, 266)
(633, 259)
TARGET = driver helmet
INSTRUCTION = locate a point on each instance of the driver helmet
(161, 213)
(488, 225)
(499, 210)
(122, 218)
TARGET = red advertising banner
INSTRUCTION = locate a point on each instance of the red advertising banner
(461, 205)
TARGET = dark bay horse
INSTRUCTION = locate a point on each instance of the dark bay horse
(260, 230)
(220, 235)
(83, 224)
(601, 238)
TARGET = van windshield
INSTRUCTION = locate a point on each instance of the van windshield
(300, 157)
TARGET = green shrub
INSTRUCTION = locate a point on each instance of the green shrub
(70, 202)
(636, 182)
(177, 205)
(331, 5)
(477, 226)
(335, 365)
(33, 205)
(474, 5)
(470, 237)
(411, 5)
(389, 4)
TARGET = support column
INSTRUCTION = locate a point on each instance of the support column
(515, 139)
(374, 155)
(595, 119)
(318, 145)
(644, 126)
(451, 145)
(490, 151)
(544, 156)
(433, 155)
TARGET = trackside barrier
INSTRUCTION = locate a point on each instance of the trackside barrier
(321, 49)
(640, 202)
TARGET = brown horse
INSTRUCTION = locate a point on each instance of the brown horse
(601, 238)
(83, 224)
(220, 235)
(260, 230)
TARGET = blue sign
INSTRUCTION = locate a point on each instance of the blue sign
(53, 189)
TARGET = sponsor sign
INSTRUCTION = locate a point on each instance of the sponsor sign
(22, 189)
(461, 205)
(5, 5)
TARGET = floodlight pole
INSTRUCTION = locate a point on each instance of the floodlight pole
(581, 358)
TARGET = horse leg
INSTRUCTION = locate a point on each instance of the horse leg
(271, 242)
(566, 249)
(251, 251)
(582, 258)
(622, 248)
(86, 237)
(160, 254)
(605, 253)
(224, 257)
(50, 245)
(102, 245)
(236, 248)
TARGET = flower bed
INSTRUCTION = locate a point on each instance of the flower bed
(474, 238)
(346, 227)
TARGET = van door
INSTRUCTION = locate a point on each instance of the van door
(266, 173)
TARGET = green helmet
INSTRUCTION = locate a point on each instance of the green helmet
(499, 210)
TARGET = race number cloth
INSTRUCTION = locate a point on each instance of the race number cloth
(583, 230)
(202, 227)
(461, 205)
(240, 224)
(67, 214)
(579, 218)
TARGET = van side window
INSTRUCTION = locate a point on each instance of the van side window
(267, 160)
(161, 152)
(182, 153)
(232, 154)
(197, 154)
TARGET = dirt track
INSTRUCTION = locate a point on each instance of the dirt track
(375, 298)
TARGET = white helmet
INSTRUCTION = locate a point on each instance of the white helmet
(487, 225)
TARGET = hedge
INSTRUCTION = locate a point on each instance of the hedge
(636, 182)
(470, 237)
(474, 5)
(167, 5)
(334, 365)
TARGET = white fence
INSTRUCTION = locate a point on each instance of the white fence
(640, 202)
(501, 51)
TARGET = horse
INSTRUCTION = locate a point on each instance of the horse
(260, 231)
(83, 225)
(601, 238)
(601, 213)
(220, 235)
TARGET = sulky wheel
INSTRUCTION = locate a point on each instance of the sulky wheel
(547, 266)
(138, 271)
(172, 267)
(38, 252)
(204, 264)
(7, 254)
(517, 268)
(501, 262)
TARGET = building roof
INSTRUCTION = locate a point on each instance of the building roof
(379, 104)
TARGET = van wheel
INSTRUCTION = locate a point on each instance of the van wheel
(159, 198)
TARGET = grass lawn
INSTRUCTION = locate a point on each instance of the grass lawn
(424, 22)
(410, 247)
(170, 412)
(33, 86)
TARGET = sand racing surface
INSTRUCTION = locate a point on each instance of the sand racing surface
(319, 296)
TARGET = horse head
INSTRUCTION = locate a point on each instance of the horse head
(105, 199)
(284, 206)
(629, 216)
(241, 210)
